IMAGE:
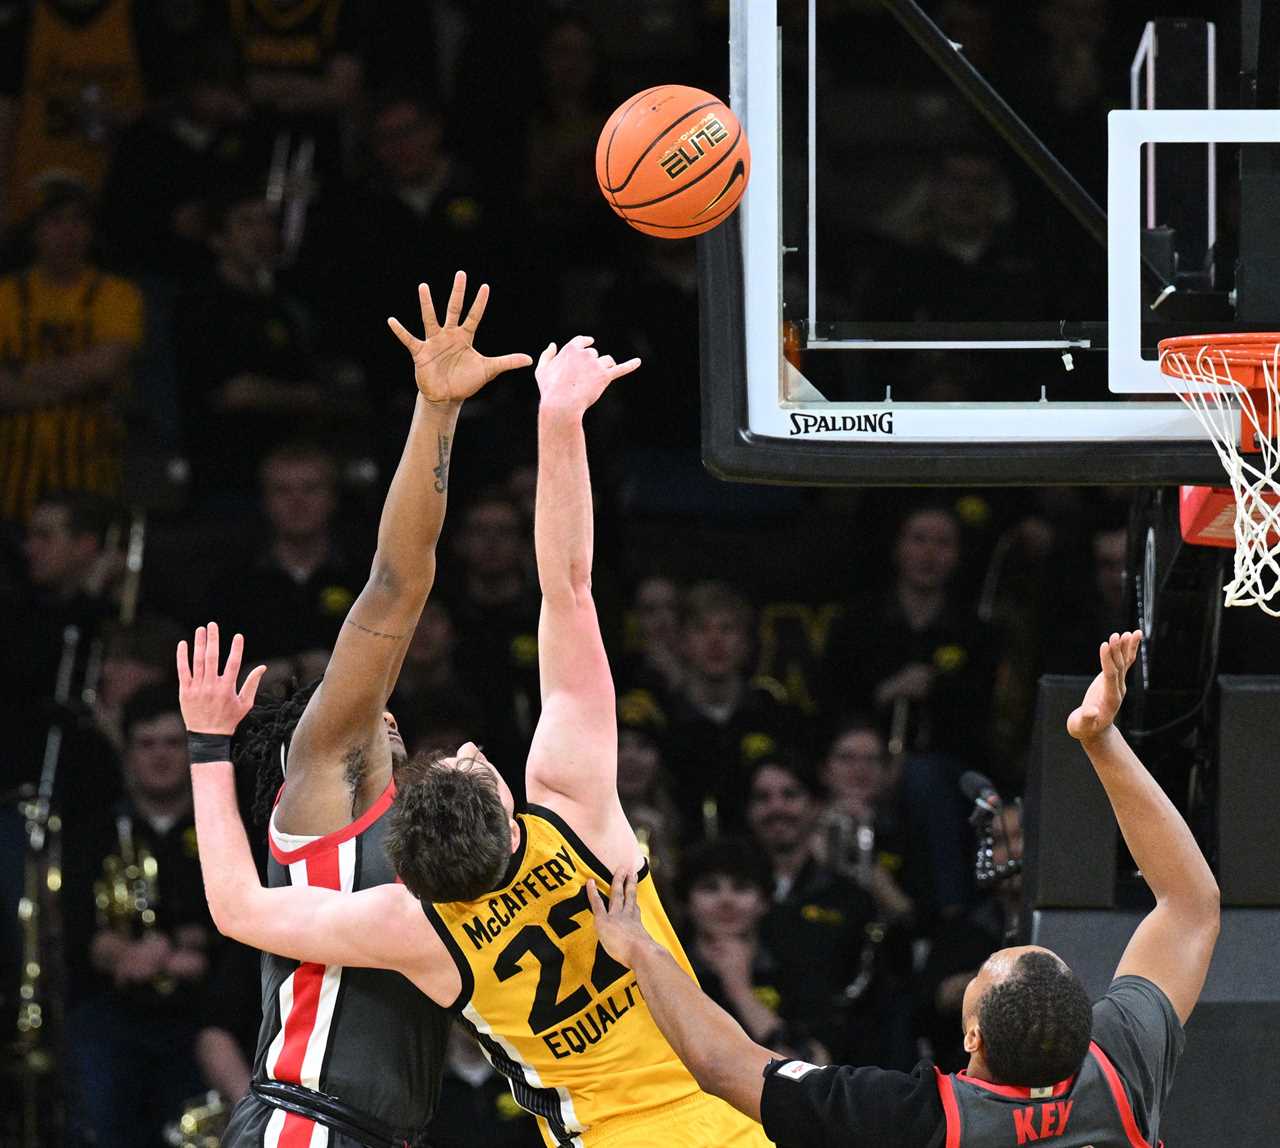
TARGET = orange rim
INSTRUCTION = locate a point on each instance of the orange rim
(1244, 354)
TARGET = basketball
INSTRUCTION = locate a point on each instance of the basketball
(673, 161)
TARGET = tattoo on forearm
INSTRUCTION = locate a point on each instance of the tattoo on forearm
(375, 633)
(442, 470)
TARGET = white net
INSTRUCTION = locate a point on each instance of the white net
(1230, 413)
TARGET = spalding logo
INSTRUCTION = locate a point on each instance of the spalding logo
(693, 145)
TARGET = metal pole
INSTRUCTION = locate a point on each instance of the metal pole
(992, 107)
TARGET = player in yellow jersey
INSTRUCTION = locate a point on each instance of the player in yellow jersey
(493, 919)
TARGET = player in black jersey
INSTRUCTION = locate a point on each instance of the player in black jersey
(353, 1056)
(1043, 1064)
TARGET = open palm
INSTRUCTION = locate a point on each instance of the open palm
(446, 367)
(1105, 693)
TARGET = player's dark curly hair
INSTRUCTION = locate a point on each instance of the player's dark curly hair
(450, 837)
(1036, 1024)
(256, 749)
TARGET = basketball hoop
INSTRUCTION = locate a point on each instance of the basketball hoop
(1235, 398)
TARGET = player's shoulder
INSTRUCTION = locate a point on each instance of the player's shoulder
(603, 840)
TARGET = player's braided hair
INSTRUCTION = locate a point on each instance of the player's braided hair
(264, 729)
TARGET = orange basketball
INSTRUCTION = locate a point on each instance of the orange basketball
(673, 161)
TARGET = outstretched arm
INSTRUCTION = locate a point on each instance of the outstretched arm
(573, 759)
(344, 715)
(367, 929)
(722, 1058)
(1174, 944)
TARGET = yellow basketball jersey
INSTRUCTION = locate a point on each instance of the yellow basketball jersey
(67, 444)
(83, 81)
(560, 1018)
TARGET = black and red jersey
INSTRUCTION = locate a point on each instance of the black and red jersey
(344, 1055)
(1090, 1110)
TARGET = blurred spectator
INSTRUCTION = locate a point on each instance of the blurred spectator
(304, 66)
(246, 352)
(960, 257)
(138, 938)
(644, 785)
(420, 215)
(564, 205)
(133, 658)
(655, 660)
(1101, 609)
(290, 598)
(202, 138)
(915, 656)
(229, 1017)
(726, 897)
(476, 1106)
(68, 333)
(860, 835)
(816, 928)
(70, 571)
(925, 665)
(431, 681)
(494, 605)
(962, 944)
(70, 77)
(722, 720)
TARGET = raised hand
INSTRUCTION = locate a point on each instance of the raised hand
(1101, 703)
(446, 367)
(209, 700)
(572, 378)
(619, 927)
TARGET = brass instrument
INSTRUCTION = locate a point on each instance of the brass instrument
(203, 1121)
(128, 892)
(40, 999)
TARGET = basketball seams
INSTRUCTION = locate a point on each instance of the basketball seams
(733, 150)
(675, 228)
(622, 114)
(703, 209)
(657, 139)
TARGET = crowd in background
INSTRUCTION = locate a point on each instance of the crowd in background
(211, 207)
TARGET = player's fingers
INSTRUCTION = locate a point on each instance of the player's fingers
(583, 341)
(629, 890)
(232, 669)
(211, 653)
(593, 898)
(249, 690)
(500, 363)
(608, 362)
(621, 369)
(430, 324)
(399, 330)
(454, 309)
(184, 666)
(197, 657)
(478, 304)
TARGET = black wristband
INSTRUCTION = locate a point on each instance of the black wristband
(207, 747)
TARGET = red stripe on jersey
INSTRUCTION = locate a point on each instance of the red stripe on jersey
(299, 1026)
(947, 1091)
(330, 841)
(1120, 1096)
(1015, 1091)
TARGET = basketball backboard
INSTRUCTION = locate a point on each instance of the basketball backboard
(809, 380)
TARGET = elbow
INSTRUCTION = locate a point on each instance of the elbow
(703, 1065)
